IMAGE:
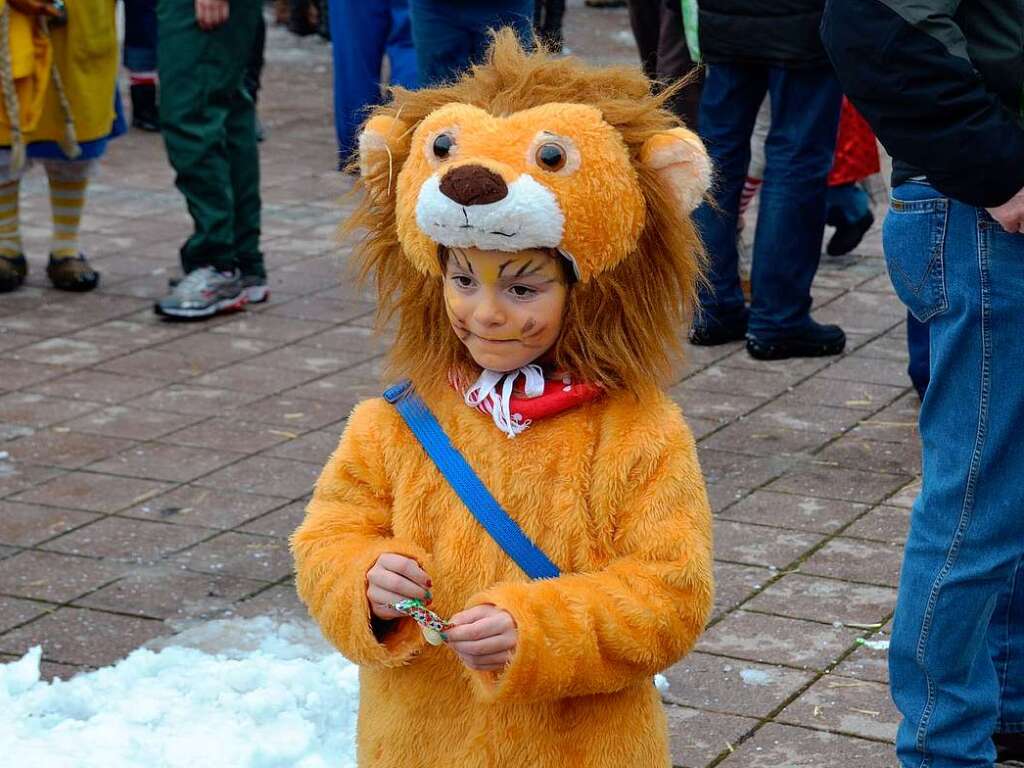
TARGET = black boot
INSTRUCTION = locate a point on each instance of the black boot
(710, 331)
(72, 273)
(13, 270)
(848, 236)
(145, 114)
(813, 340)
(1009, 747)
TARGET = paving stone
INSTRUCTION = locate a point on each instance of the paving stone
(188, 399)
(757, 383)
(854, 452)
(164, 367)
(14, 611)
(280, 602)
(340, 389)
(906, 496)
(696, 738)
(49, 670)
(871, 370)
(18, 477)
(273, 328)
(229, 434)
(857, 395)
(293, 414)
(68, 353)
(159, 461)
(97, 386)
(119, 538)
(775, 746)
(740, 471)
(760, 545)
(53, 577)
(868, 562)
(802, 513)
(828, 600)
(255, 378)
(170, 592)
(869, 662)
(80, 636)
(38, 410)
(280, 523)
(133, 423)
(720, 407)
(777, 640)
(322, 309)
(24, 525)
(92, 492)
(759, 438)
(266, 475)
(792, 413)
(730, 686)
(347, 337)
(208, 346)
(838, 483)
(19, 374)
(63, 448)
(205, 507)
(857, 707)
(883, 523)
(9, 339)
(313, 447)
(240, 554)
(736, 583)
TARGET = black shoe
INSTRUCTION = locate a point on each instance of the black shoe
(13, 270)
(815, 340)
(1009, 747)
(711, 331)
(145, 114)
(72, 273)
(848, 236)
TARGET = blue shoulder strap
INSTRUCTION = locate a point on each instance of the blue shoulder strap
(474, 494)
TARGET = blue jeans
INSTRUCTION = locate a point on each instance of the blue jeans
(845, 204)
(791, 221)
(451, 35)
(957, 655)
(362, 31)
(140, 35)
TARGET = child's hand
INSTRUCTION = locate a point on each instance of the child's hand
(210, 14)
(484, 637)
(392, 579)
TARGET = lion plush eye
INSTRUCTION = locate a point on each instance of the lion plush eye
(551, 157)
(443, 145)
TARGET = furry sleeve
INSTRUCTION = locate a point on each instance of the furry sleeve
(600, 632)
(347, 527)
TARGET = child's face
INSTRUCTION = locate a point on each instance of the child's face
(507, 308)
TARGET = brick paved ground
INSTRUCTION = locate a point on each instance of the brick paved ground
(151, 472)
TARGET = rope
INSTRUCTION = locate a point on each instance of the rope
(10, 95)
(69, 144)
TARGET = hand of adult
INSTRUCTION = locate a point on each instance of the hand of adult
(484, 637)
(394, 578)
(35, 7)
(1010, 214)
(210, 14)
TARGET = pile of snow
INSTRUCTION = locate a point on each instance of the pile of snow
(242, 693)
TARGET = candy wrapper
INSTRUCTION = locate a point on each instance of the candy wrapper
(432, 625)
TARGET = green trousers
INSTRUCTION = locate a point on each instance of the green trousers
(208, 121)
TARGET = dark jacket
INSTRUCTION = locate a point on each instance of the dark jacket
(941, 83)
(774, 32)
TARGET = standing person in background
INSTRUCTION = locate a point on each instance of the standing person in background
(208, 120)
(940, 82)
(59, 107)
(362, 33)
(754, 47)
(547, 23)
(140, 61)
(451, 35)
(660, 33)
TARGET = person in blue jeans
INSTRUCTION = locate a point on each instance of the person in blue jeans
(362, 32)
(940, 83)
(450, 35)
(751, 50)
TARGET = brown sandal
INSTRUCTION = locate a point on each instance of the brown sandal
(72, 273)
(13, 270)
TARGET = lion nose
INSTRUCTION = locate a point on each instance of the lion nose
(473, 185)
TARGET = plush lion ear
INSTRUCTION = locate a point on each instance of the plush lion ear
(378, 141)
(682, 162)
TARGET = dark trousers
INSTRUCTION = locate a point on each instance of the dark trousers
(208, 121)
(658, 29)
(791, 218)
(450, 35)
(547, 22)
(140, 35)
(362, 32)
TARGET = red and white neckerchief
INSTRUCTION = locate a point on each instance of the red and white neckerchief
(513, 410)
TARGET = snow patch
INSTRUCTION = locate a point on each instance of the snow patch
(239, 693)
(755, 677)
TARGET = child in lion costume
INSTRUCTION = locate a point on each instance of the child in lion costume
(528, 226)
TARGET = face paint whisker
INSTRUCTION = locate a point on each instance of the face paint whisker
(523, 268)
(501, 269)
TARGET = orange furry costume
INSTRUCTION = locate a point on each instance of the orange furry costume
(611, 490)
